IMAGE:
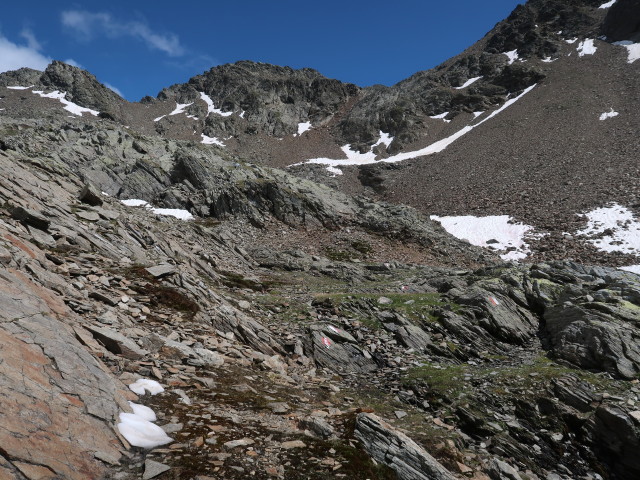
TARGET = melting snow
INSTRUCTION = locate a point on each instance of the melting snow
(633, 50)
(140, 432)
(211, 140)
(621, 226)
(610, 114)
(303, 127)
(586, 47)
(467, 83)
(356, 158)
(512, 56)
(170, 212)
(211, 107)
(68, 106)
(608, 4)
(493, 231)
(441, 117)
(143, 384)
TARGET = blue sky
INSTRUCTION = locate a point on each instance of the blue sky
(139, 47)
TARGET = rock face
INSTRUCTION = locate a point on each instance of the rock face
(395, 449)
(71, 400)
(293, 96)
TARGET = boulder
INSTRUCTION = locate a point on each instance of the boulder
(393, 448)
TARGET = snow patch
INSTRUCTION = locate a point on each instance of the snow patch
(512, 56)
(143, 411)
(477, 114)
(631, 268)
(633, 50)
(572, 40)
(610, 114)
(468, 82)
(17, 87)
(140, 432)
(622, 229)
(608, 4)
(242, 114)
(178, 213)
(356, 158)
(68, 106)
(586, 47)
(441, 117)
(549, 59)
(497, 232)
(385, 139)
(335, 171)
(211, 107)
(211, 141)
(170, 212)
(159, 118)
(143, 384)
(134, 202)
(180, 107)
(303, 127)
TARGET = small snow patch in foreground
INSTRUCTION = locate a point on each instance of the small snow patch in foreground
(608, 4)
(613, 229)
(572, 40)
(495, 231)
(134, 202)
(610, 114)
(144, 384)
(140, 432)
(143, 411)
(18, 87)
(586, 47)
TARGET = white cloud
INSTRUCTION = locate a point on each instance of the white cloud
(32, 41)
(73, 63)
(114, 89)
(87, 25)
(14, 56)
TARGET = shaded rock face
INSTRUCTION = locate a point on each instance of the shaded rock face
(81, 87)
(623, 21)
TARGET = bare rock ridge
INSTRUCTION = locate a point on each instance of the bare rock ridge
(177, 310)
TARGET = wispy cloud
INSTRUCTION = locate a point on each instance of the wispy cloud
(14, 56)
(87, 25)
(114, 89)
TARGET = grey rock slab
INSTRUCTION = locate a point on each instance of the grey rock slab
(88, 215)
(499, 470)
(90, 195)
(243, 442)
(152, 469)
(396, 450)
(162, 270)
(117, 343)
